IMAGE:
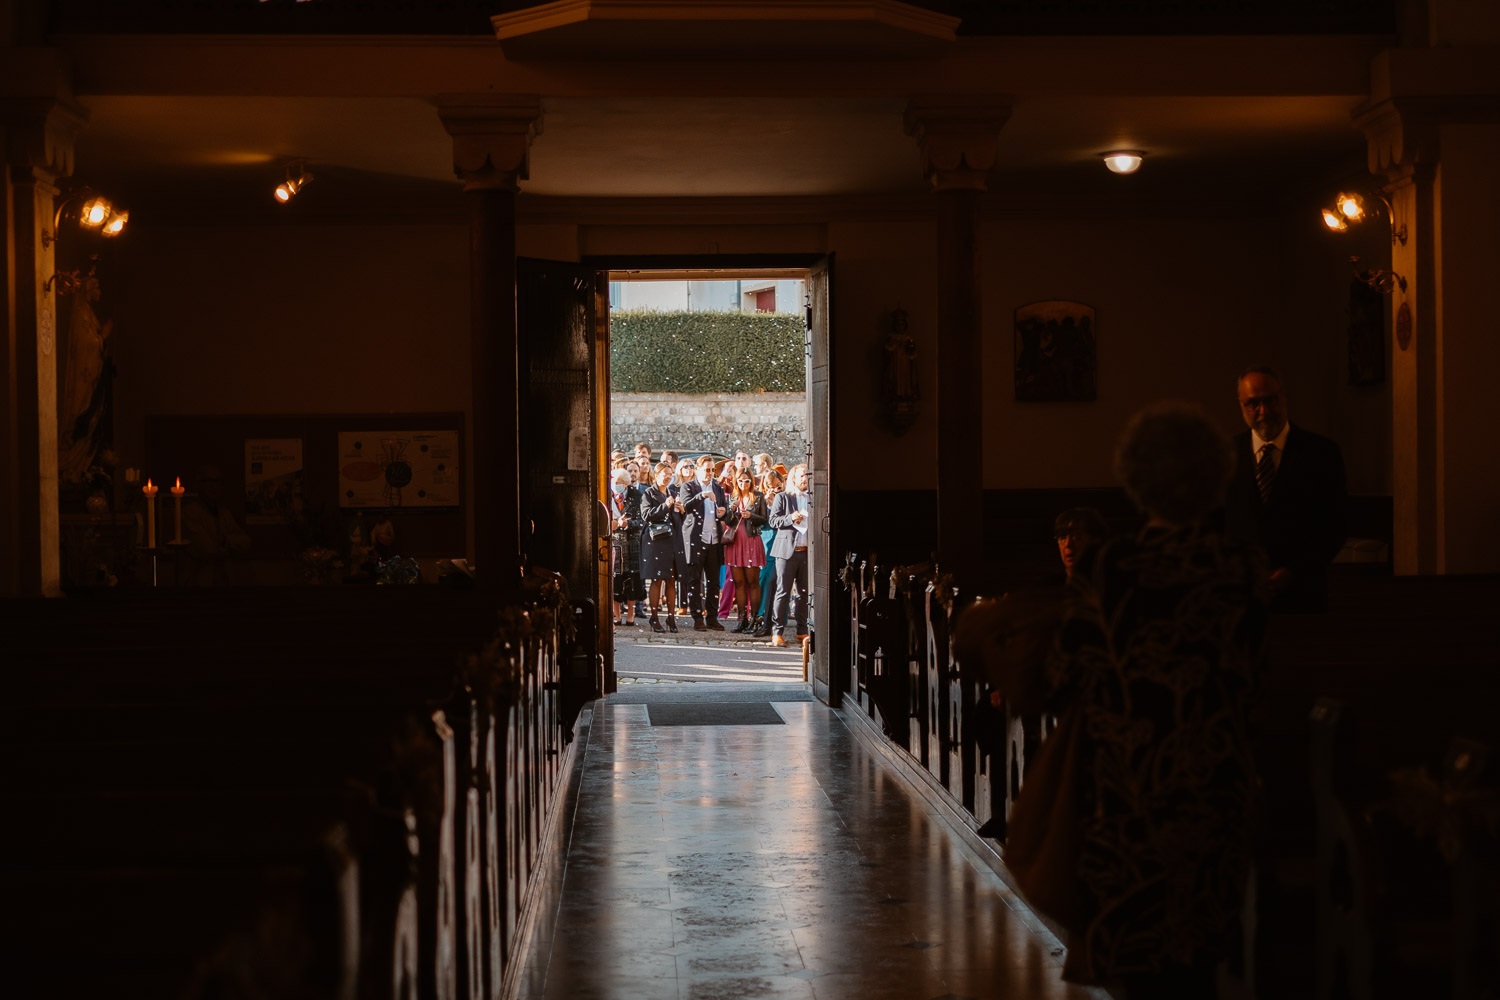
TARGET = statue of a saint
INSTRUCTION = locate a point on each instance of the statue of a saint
(85, 388)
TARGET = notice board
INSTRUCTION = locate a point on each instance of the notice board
(273, 466)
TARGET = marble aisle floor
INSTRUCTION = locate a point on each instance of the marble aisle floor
(710, 862)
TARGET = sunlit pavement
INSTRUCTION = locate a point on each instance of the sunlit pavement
(642, 656)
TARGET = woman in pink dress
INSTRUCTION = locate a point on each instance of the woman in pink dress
(744, 554)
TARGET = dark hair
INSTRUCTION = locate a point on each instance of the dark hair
(1081, 521)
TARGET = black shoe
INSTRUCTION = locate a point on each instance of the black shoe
(713, 624)
(672, 624)
(656, 623)
(762, 627)
(699, 626)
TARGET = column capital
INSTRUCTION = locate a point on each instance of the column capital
(492, 136)
(40, 133)
(959, 136)
(1403, 132)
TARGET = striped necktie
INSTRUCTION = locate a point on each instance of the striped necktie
(1265, 471)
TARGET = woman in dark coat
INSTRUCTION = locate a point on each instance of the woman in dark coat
(625, 533)
(1159, 650)
(662, 559)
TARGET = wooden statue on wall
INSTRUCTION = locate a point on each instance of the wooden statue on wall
(898, 378)
(85, 413)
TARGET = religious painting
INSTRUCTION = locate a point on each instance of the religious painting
(1055, 352)
(1365, 321)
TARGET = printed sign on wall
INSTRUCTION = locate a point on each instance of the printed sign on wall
(410, 469)
(273, 480)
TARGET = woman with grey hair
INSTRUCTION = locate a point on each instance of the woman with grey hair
(1157, 656)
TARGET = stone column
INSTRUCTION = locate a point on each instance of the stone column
(1436, 153)
(959, 137)
(491, 145)
(38, 135)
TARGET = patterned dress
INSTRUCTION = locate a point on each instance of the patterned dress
(1161, 643)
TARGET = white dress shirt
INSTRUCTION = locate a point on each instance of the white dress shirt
(1256, 444)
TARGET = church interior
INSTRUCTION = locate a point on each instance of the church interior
(346, 219)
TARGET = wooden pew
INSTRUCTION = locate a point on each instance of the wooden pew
(117, 665)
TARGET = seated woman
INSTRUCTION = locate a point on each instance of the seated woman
(1077, 530)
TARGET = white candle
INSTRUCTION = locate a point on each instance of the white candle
(177, 492)
(150, 492)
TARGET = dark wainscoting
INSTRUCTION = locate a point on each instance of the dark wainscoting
(901, 525)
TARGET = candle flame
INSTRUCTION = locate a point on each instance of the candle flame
(179, 482)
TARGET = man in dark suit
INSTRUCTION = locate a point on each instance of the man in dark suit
(1287, 494)
(703, 506)
(790, 516)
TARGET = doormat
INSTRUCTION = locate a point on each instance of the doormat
(754, 713)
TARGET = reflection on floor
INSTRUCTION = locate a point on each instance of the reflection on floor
(769, 861)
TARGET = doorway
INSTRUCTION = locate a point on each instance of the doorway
(567, 435)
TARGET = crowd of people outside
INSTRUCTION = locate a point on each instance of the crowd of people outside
(710, 539)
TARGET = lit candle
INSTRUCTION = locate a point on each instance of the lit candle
(150, 492)
(177, 492)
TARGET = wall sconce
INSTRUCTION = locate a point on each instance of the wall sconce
(91, 210)
(1351, 208)
(94, 212)
(898, 377)
(288, 188)
(1123, 161)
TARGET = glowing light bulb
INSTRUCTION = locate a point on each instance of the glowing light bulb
(1123, 161)
(95, 211)
(1350, 205)
(116, 223)
(284, 191)
(1334, 221)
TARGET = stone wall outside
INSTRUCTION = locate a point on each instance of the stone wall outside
(771, 422)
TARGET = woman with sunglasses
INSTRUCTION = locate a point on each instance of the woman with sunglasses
(744, 554)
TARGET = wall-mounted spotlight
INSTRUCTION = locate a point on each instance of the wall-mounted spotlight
(1123, 161)
(294, 182)
(1351, 208)
(91, 210)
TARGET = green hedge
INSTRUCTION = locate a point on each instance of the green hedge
(706, 352)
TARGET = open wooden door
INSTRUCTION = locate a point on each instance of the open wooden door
(562, 323)
(821, 464)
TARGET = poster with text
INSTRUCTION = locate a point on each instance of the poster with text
(273, 480)
(409, 469)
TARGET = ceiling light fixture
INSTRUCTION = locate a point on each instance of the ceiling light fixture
(1123, 161)
(288, 188)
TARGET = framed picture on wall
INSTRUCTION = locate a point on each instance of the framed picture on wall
(1055, 346)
